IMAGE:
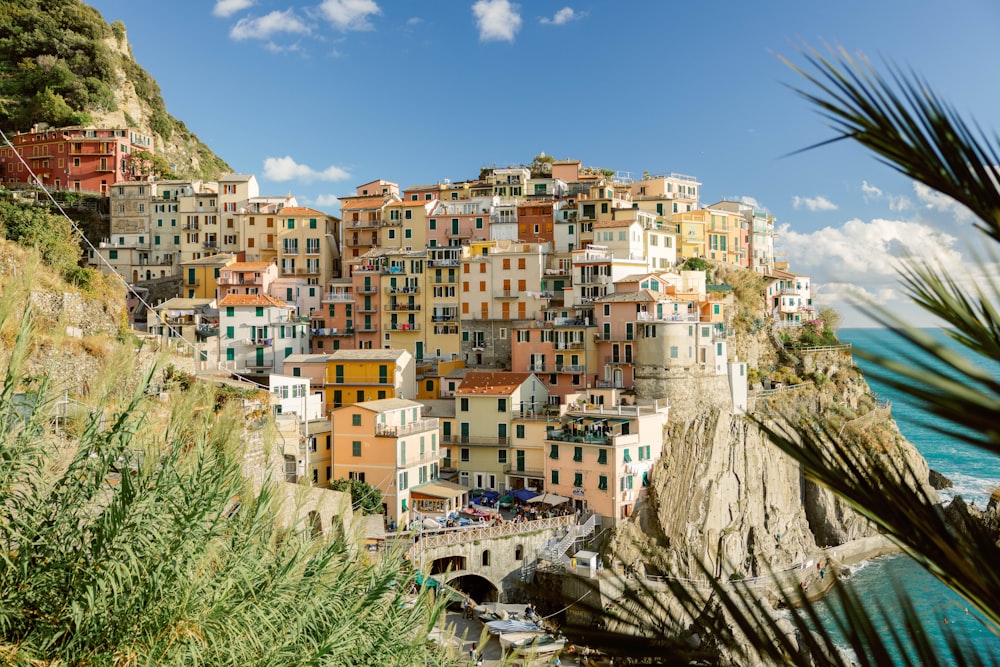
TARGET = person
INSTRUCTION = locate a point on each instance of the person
(556, 662)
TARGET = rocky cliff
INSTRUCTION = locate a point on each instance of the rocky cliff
(724, 498)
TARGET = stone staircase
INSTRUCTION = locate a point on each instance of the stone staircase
(557, 552)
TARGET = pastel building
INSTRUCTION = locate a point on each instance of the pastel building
(257, 333)
(789, 296)
(485, 405)
(390, 445)
(311, 450)
(356, 376)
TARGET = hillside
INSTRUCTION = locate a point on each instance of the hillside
(62, 64)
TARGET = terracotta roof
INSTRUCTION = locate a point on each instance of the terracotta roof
(491, 384)
(247, 266)
(251, 300)
(613, 223)
(300, 210)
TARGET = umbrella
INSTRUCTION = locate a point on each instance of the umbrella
(505, 500)
(549, 499)
(524, 495)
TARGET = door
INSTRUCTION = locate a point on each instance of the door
(446, 431)
(465, 431)
(519, 460)
(419, 350)
(260, 357)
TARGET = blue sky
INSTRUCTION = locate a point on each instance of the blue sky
(317, 96)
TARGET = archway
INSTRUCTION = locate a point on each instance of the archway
(479, 588)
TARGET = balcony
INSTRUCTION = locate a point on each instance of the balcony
(610, 384)
(368, 289)
(337, 297)
(442, 262)
(444, 317)
(260, 342)
(312, 250)
(363, 224)
(366, 268)
(402, 306)
(367, 328)
(536, 368)
(513, 469)
(570, 368)
(290, 250)
(406, 289)
(191, 226)
(403, 326)
(506, 294)
(210, 245)
(419, 426)
(308, 270)
(569, 345)
(452, 439)
(262, 368)
(370, 308)
(335, 331)
(611, 359)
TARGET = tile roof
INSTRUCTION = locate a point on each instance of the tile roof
(301, 210)
(251, 300)
(367, 355)
(604, 224)
(481, 383)
(247, 266)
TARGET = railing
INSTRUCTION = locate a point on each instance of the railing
(506, 294)
(444, 317)
(260, 342)
(371, 308)
(290, 250)
(367, 328)
(569, 345)
(419, 426)
(401, 306)
(570, 368)
(442, 262)
(512, 469)
(678, 317)
(335, 331)
(403, 326)
(536, 368)
(452, 439)
(368, 289)
(337, 297)
(467, 534)
(610, 384)
(408, 289)
(611, 359)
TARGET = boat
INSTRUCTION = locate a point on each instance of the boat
(532, 643)
(510, 626)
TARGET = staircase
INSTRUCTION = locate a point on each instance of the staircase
(557, 552)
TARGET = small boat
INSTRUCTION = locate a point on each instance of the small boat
(532, 642)
(511, 626)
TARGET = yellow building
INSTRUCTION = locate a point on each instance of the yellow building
(691, 234)
(485, 404)
(356, 376)
(307, 245)
(201, 276)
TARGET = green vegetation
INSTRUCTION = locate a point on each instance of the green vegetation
(56, 67)
(142, 543)
(51, 235)
(364, 497)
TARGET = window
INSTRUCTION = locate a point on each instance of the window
(501, 405)
(554, 452)
(602, 456)
(578, 479)
(356, 448)
(518, 552)
(486, 558)
(355, 420)
(463, 404)
(602, 482)
(464, 454)
(519, 430)
(555, 476)
(502, 456)
(627, 457)
(578, 454)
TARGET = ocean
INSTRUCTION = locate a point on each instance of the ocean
(974, 473)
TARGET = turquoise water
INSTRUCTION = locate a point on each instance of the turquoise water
(974, 473)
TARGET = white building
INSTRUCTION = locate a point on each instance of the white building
(257, 332)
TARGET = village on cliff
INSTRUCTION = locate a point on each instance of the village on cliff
(462, 347)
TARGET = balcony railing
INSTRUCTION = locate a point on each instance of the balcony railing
(536, 368)
(405, 289)
(419, 426)
(506, 294)
(368, 289)
(444, 317)
(370, 308)
(570, 368)
(260, 342)
(569, 345)
(452, 439)
(337, 297)
(442, 262)
(335, 331)
(404, 326)
(611, 359)
(367, 328)
(402, 306)
(513, 469)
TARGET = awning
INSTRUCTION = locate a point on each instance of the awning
(439, 489)
(524, 495)
(549, 499)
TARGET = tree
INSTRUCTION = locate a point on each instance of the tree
(364, 497)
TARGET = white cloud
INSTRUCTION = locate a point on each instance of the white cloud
(287, 169)
(414, 20)
(349, 14)
(225, 8)
(873, 193)
(563, 16)
(857, 263)
(327, 201)
(935, 202)
(498, 20)
(282, 48)
(263, 27)
(752, 201)
(814, 203)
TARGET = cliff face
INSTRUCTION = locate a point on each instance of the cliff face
(725, 497)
